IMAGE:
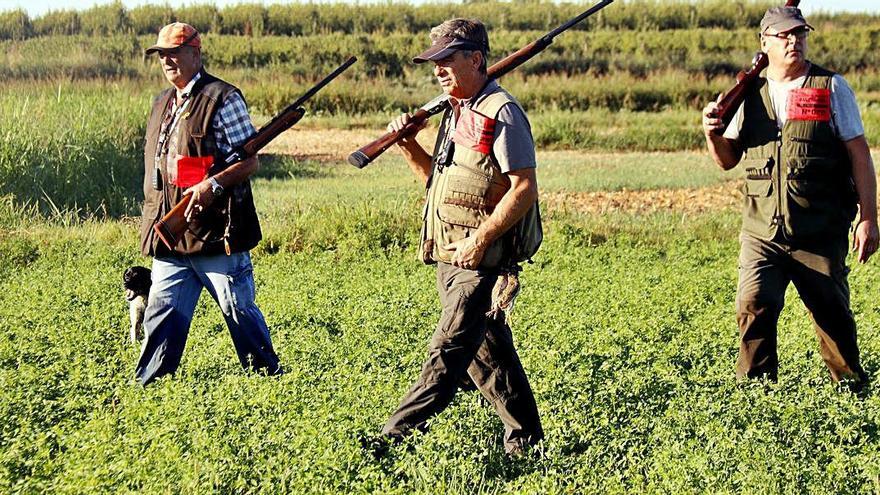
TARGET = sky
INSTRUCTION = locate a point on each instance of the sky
(36, 8)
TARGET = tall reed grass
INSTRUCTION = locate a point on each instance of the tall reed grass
(73, 148)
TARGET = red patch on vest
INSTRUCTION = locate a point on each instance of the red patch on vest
(192, 169)
(474, 131)
(809, 104)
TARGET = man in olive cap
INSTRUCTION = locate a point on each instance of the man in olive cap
(481, 220)
(808, 167)
(192, 127)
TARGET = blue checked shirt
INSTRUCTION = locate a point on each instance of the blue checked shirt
(232, 123)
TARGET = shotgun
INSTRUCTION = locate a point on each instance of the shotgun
(171, 227)
(745, 79)
(364, 156)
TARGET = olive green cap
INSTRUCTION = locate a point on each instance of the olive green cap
(783, 19)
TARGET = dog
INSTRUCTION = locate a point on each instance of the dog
(136, 282)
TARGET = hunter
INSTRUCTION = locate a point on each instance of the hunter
(481, 220)
(192, 126)
(808, 170)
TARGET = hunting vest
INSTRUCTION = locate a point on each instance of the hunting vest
(186, 152)
(466, 184)
(798, 184)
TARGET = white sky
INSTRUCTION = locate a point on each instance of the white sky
(36, 8)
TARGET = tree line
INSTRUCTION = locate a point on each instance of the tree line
(254, 19)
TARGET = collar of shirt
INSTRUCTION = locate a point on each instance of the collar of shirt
(184, 93)
(490, 86)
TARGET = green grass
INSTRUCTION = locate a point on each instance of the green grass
(625, 327)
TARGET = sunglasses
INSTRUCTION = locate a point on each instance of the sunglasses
(795, 35)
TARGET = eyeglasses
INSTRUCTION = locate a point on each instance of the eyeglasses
(796, 35)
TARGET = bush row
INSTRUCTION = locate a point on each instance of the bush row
(701, 52)
(316, 18)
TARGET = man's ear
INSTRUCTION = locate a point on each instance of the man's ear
(478, 60)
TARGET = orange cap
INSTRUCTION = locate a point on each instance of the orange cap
(175, 35)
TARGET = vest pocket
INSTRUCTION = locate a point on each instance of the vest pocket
(758, 187)
(810, 178)
(465, 203)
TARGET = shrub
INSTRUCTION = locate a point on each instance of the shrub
(203, 17)
(57, 22)
(104, 19)
(247, 19)
(149, 19)
(15, 25)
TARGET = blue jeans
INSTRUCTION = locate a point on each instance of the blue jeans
(177, 285)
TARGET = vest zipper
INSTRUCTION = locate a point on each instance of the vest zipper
(779, 219)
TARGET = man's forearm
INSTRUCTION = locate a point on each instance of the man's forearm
(237, 172)
(723, 151)
(513, 205)
(864, 177)
(418, 159)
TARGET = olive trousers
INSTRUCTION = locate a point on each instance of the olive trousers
(819, 274)
(469, 343)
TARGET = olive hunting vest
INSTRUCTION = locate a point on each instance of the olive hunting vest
(185, 151)
(466, 184)
(798, 184)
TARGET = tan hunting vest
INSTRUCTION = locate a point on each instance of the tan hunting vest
(798, 184)
(466, 184)
(232, 217)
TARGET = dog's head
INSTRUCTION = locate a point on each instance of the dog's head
(136, 281)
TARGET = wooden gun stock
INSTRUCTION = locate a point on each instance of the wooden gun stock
(171, 227)
(734, 97)
(365, 155)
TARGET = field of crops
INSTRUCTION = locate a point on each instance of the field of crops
(625, 324)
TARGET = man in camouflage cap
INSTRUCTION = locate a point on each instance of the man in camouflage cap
(481, 219)
(800, 138)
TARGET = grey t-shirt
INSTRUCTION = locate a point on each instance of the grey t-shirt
(845, 117)
(513, 146)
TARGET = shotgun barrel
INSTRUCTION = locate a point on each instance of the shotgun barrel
(365, 155)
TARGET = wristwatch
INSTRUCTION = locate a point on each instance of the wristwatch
(216, 188)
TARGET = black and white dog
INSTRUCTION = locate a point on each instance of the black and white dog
(136, 282)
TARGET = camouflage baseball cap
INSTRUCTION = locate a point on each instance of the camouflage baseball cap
(174, 36)
(783, 19)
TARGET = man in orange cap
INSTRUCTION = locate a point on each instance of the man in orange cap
(192, 127)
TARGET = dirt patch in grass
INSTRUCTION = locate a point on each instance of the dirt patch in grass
(688, 201)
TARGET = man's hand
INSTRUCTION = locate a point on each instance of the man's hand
(866, 239)
(400, 122)
(712, 124)
(202, 197)
(468, 253)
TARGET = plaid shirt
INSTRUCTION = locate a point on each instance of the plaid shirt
(232, 123)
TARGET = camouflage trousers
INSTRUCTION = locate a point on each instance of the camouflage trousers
(468, 343)
(820, 276)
